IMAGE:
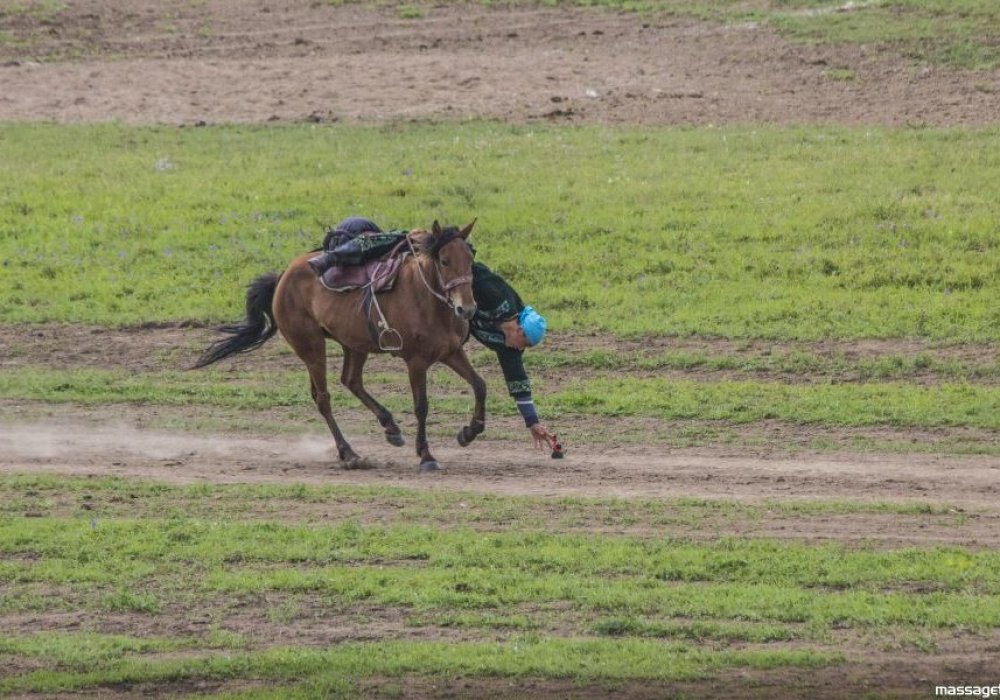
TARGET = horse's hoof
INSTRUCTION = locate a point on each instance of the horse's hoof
(462, 439)
(429, 467)
(395, 439)
(355, 463)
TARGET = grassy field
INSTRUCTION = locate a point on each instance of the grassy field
(461, 585)
(604, 395)
(787, 236)
(704, 281)
(736, 232)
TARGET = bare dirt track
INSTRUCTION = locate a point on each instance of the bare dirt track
(276, 61)
(774, 461)
(81, 447)
(179, 62)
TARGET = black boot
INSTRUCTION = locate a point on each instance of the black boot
(357, 250)
(368, 246)
(323, 262)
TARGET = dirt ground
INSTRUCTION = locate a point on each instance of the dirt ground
(182, 62)
(759, 462)
(264, 61)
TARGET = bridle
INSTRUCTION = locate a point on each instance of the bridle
(446, 238)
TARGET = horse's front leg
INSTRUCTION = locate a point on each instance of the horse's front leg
(459, 362)
(418, 384)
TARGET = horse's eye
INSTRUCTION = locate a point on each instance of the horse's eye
(444, 263)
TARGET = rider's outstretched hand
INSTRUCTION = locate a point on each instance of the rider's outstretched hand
(544, 440)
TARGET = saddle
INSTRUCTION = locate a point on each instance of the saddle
(376, 275)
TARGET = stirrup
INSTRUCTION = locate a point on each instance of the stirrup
(388, 335)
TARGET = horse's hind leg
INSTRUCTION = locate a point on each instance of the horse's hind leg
(352, 376)
(310, 345)
(459, 362)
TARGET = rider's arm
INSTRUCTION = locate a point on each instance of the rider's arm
(519, 387)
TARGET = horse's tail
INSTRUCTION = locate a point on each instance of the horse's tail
(258, 328)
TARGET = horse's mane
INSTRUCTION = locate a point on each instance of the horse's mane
(422, 241)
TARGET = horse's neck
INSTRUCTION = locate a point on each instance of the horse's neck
(427, 292)
(427, 277)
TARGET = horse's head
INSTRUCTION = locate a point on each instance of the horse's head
(452, 255)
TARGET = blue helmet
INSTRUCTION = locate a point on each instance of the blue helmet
(533, 325)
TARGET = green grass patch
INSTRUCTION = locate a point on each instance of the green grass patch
(82, 651)
(960, 33)
(796, 362)
(846, 405)
(43, 10)
(595, 659)
(606, 394)
(53, 496)
(531, 599)
(426, 568)
(739, 232)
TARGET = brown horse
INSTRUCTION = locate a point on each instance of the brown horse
(429, 307)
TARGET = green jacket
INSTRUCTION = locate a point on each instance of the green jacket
(497, 302)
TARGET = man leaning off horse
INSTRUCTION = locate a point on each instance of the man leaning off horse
(502, 322)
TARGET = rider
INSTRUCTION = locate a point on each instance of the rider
(352, 241)
(502, 322)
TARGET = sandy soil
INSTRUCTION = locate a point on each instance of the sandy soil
(263, 61)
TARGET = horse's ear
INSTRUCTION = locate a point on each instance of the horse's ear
(464, 233)
(436, 229)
